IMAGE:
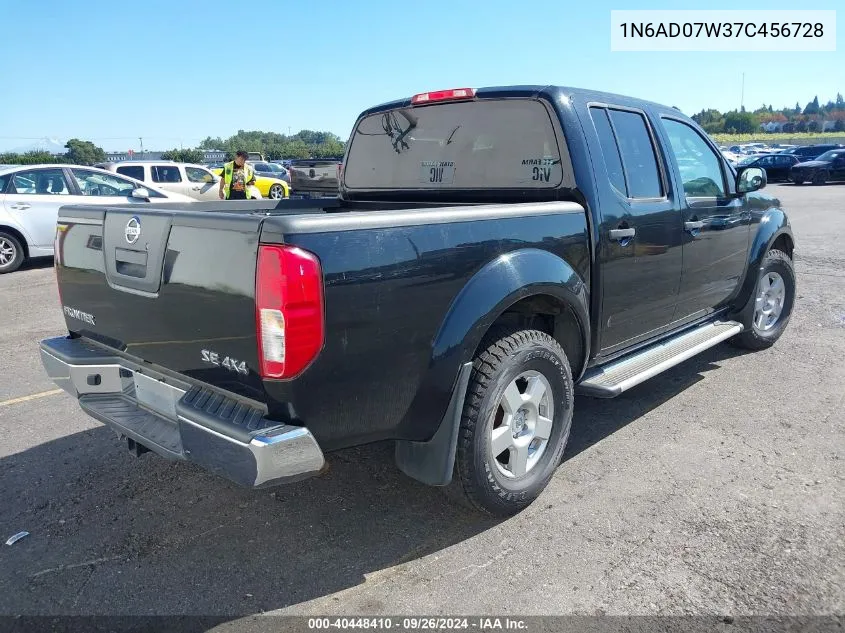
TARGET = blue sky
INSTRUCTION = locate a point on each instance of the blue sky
(174, 71)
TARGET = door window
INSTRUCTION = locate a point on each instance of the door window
(95, 183)
(766, 161)
(701, 169)
(166, 173)
(609, 149)
(195, 174)
(638, 155)
(45, 182)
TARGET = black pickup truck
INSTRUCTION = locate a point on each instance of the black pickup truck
(492, 253)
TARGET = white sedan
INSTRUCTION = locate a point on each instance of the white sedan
(30, 197)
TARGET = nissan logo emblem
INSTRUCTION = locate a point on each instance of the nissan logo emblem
(133, 229)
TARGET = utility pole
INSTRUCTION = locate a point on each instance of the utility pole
(141, 139)
(742, 96)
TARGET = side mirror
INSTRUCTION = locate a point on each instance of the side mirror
(141, 193)
(750, 180)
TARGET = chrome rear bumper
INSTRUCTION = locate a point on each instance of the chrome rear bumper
(180, 420)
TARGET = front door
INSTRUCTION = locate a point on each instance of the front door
(640, 232)
(717, 224)
(33, 200)
(837, 170)
(203, 184)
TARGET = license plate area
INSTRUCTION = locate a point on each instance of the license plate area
(157, 395)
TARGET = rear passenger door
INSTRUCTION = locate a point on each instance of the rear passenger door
(33, 200)
(169, 178)
(640, 233)
(717, 223)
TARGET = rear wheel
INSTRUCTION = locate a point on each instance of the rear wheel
(11, 253)
(277, 192)
(515, 423)
(820, 178)
(768, 311)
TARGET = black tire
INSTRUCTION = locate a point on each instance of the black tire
(13, 254)
(278, 190)
(797, 181)
(820, 178)
(752, 337)
(501, 363)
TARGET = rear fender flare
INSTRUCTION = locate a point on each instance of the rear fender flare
(500, 284)
(489, 293)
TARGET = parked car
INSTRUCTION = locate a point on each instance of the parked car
(829, 166)
(195, 181)
(730, 156)
(271, 170)
(271, 187)
(776, 166)
(522, 243)
(811, 152)
(30, 197)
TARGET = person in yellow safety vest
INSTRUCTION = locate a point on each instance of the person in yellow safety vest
(237, 177)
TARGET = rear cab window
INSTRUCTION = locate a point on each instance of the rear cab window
(480, 144)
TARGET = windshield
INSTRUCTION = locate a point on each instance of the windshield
(831, 154)
(466, 145)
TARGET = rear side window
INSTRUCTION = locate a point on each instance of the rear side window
(165, 173)
(628, 151)
(133, 171)
(609, 149)
(638, 156)
(483, 144)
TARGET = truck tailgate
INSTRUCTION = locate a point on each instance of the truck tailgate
(172, 288)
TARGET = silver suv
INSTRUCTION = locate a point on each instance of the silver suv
(195, 181)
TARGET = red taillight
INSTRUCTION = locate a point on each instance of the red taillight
(288, 310)
(443, 95)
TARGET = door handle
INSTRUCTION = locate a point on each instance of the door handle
(21, 206)
(622, 234)
(196, 188)
(693, 226)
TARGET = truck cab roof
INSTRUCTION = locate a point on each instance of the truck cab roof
(551, 93)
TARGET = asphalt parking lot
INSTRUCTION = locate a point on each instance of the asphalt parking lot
(715, 488)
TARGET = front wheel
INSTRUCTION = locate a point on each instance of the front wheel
(797, 180)
(820, 178)
(516, 421)
(277, 192)
(11, 253)
(767, 313)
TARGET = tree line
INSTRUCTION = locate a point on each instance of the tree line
(274, 146)
(78, 153)
(810, 118)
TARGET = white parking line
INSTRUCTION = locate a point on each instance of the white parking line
(33, 396)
